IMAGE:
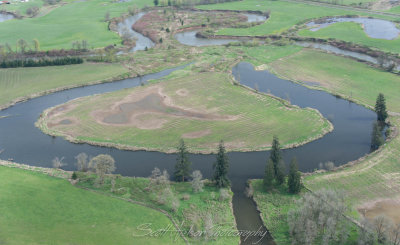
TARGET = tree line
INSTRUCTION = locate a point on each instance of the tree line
(41, 62)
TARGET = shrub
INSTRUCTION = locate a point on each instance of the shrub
(223, 194)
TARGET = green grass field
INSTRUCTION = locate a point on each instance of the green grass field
(353, 32)
(375, 177)
(344, 76)
(21, 7)
(274, 207)
(194, 208)
(16, 83)
(39, 209)
(75, 21)
(283, 15)
(252, 119)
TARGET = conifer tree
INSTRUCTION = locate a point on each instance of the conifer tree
(280, 173)
(221, 167)
(380, 108)
(376, 137)
(294, 178)
(275, 154)
(269, 175)
(182, 166)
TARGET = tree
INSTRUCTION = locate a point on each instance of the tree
(58, 162)
(275, 154)
(36, 44)
(32, 11)
(158, 178)
(382, 226)
(183, 164)
(22, 44)
(74, 176)
(107, 16)
(280, 173)
(376, 137)
(221, 167)
(155, 2)
(294, 178)
(319, 217)
(380, 108)
(197, 184)
(82, 162)
(269, 175)
(104, 164)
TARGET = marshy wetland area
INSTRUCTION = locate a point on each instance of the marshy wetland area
(199, 122)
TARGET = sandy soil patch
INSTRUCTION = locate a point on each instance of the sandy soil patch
(197, 134)
(387, 207)
(150, 109)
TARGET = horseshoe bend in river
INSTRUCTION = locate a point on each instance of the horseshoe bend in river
(349, 140)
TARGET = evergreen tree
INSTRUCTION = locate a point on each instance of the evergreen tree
(221, 167)
(294, 178)
(269, 175)
(376, 137)
(380, 108)
(155, 2)
(275, 155)
(182, 166)
(280, 173)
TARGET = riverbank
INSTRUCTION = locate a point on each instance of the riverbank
(368, 182)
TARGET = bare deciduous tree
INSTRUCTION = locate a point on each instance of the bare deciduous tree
(382, 225)
(197, 183)
(82, 162)
(58, 162)
(319, 216)
(104, 164)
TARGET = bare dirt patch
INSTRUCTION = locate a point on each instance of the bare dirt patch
(150, 109)
(197, 134)
(387, 207)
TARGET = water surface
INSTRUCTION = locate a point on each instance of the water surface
(126, 27)
(375, 28)
(4, 17)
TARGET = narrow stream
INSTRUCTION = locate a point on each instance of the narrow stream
(350, 139)
(125, 27)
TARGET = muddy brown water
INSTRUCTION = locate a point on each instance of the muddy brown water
(350, 139)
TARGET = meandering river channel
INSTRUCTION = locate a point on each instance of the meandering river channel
(350, 139)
